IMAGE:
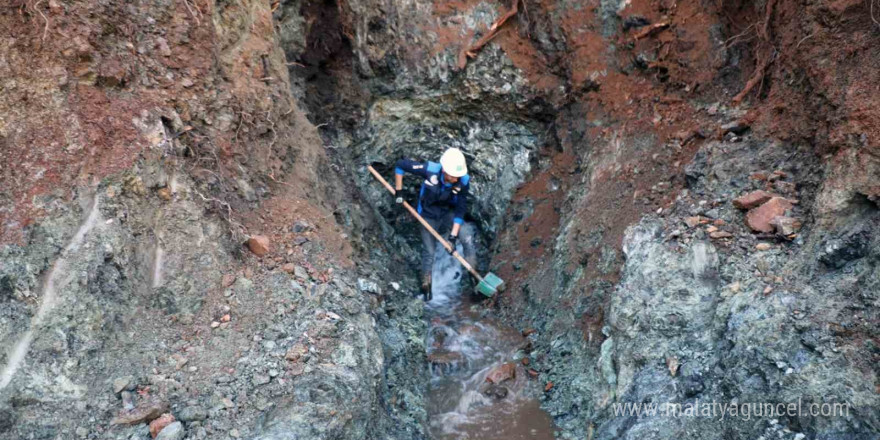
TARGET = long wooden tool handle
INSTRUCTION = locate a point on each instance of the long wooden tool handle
(427, 225)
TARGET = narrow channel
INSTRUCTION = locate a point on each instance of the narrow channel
(466, 352)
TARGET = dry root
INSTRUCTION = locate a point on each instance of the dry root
(766, 53)
(471, 52)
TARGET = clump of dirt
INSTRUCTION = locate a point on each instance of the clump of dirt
(78, 75)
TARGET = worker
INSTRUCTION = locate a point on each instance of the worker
(442, 203)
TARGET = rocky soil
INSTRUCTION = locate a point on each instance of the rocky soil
(171, 243)
(681, 196)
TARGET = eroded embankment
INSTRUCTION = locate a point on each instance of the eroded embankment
(55, 280)
(180, 118)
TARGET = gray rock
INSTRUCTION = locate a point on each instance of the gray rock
(735, 127)
(300, 272)
(121, 384)
(301, 226)
(7, 419)
(173, 431)
(368, 286)
(496, 391)
(840, 251)
(192, 414)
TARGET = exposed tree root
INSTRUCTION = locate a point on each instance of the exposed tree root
(649, 30)
(757, 77)
(766, 53)
(471, 52)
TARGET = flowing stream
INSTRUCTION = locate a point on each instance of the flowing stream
(463, 349)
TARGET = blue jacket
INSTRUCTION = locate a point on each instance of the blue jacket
(437, 197)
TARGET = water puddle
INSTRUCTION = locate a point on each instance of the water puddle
(463, 351)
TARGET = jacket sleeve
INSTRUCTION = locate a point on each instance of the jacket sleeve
(461, 205)
(411, 166)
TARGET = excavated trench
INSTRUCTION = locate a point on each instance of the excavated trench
(479, 383)
(377, 121)
(612, 146)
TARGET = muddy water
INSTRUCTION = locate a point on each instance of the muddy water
(463, 348)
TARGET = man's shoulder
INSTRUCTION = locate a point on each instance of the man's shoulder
(433, 167)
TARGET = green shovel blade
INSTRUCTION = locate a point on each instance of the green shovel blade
(490, 284)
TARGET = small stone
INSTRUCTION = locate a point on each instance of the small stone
(767, 290)
(82, 431)
(225, 318)
(301, 272)
(524, 361)
(296, 352)
(720, 234)
(227, 280)
(234, 433)
(735, 287)
(160, 423)
(735, 127)
(711, 229)
(193, 414)
(215, 324)
(501, 373)
(261, 380)
(763, 246)
(758, 219)
(301, 226)
(121, 384)
(227, 402)
(368, 286)
(786, 226)
(528, 331)
(288, 267)
(713, 109)
(752, 199)
(533, 373)
(548, 387)
(164, 193)
(496, 391)
(174, 431)
(672, 363)
(178, 361)
(693, 222)
(259, 245)
(145, 412)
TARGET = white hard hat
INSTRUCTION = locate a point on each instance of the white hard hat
(453, 162)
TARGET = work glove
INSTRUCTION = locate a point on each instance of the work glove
(397, 199)
(453, 240)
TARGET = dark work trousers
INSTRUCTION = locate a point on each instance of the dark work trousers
(443, 226)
